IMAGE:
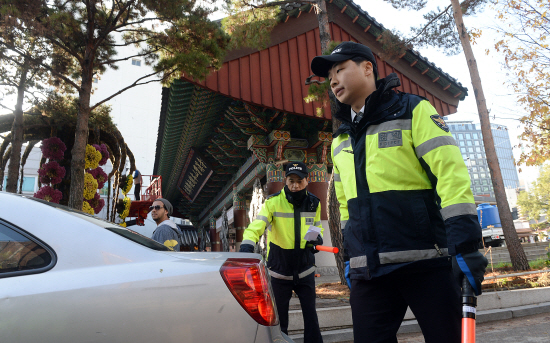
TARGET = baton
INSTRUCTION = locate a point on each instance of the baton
(469, 303)
(325, 248)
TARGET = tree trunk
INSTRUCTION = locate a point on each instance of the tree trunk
(17, 135)
(335, 231)
(28, 150)
(76, 194)
(3, 161)
(517, 255)
(333, 205)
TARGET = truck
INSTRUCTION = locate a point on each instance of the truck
(491, 228)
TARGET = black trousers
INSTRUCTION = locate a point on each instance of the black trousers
(137, 191)
(379, 305)
(305, 289)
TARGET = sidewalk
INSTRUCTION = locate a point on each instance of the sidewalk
(336, 324)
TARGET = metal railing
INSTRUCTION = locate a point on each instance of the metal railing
(151, 190)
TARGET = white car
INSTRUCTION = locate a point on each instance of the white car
(66, 276)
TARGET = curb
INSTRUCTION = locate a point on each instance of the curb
(336, 321)
(411, 326)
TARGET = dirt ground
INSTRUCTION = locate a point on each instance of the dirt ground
(336, 290)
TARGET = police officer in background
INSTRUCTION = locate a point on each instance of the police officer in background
(288, 215)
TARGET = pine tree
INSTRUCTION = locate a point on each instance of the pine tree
(175, 37)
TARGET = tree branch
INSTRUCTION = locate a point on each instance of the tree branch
(39, 62)
(428, 24)
(276, 3)
(136, 83)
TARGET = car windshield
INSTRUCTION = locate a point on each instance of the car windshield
(119, 230)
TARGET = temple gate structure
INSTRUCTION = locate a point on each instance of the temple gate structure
(246, 120)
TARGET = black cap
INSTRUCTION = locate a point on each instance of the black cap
(320, 65)
(298, 168)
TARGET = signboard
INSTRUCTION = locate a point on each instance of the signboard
(194, 175)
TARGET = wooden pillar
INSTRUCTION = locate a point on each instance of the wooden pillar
(318, 185)
(239, 216)
(275, 178)
(214, 236)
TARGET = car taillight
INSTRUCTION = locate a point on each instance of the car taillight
(247, 280)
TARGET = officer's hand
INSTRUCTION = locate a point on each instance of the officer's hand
(346, 274)
(472, 265)
(246, 248)
(318, 241)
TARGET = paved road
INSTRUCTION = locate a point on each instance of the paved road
(531, 329)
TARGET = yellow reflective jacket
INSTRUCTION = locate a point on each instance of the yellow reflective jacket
(287, 255)
(402, 184)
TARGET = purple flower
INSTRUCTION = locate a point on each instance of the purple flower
(104, 153)
(100, 176)
(51, 172)
(49, 194)
(53, 148)
(96, 203)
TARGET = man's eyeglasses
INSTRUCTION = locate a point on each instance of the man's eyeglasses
(156, 207)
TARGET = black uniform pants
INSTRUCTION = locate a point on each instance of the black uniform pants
(378, 306)
(137, 191)
(305, 289)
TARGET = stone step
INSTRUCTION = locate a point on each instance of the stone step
(345, 334)
(336, 314)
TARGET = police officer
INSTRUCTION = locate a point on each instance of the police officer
(406, 207)
(288, 215)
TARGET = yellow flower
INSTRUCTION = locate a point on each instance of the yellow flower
(86, 208)
(92, 157)
(125, 187)
(126, 212)
(90, 186)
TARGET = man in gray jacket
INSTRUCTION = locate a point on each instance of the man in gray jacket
(167, 232)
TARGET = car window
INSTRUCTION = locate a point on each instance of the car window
(138, 238)
(20, 254)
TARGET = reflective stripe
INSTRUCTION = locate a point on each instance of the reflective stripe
(286, 277)
(433, 143)
(248, 241)
(263, 218)
(283, 215)
(343, 224)
(342, 146)
(358, 262)
(410, 255)
(269, 227)
(337, 178)
(307, 214)
(317, 223)
(399, 124)
(458, 210)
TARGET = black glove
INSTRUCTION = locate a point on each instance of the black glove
(312, 244)
(246, 248)
(472, 265)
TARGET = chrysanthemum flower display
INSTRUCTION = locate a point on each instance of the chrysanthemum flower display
(96, 203)
(49, 194)
(102, 148)
(126, 183)
(53, 148)
(86, 208)
(92, 157)
(123, 207)
(100, 176)
(90, 186)
(51, 172)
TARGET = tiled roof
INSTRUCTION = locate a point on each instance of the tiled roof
(372, 26)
